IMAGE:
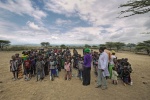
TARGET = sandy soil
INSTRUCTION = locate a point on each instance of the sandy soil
(74, 90)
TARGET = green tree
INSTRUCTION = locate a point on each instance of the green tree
(109, 45)
(135, 7)
(45, 44)
(145, 45)
(87, 46)
(4, 43)
(94, 46)
(62, 46)
(118, 45)
(102, 45)
(130, 45)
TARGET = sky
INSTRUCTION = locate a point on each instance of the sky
(70, 22)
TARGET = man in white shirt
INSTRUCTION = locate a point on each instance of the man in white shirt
(102, 69)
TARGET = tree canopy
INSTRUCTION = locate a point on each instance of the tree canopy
(4, 43)
(130, 45)
(135, 7)
(45, 44)
(62, 46)
(145, 45)
(109, 45)
(118, 45)
(87, 46)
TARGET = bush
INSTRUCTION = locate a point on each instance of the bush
(19, 48)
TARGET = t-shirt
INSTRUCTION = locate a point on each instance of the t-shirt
(80, 64)
(112, 59)
(39, 65)
(52, 64)
(24, 57)
(27, 64)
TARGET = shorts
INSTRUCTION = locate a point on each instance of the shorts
(53, 71)
(27, 71)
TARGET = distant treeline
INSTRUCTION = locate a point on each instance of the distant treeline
(141, 46)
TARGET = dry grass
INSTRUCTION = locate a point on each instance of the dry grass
(73, 90)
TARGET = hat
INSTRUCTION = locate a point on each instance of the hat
(87, 50)
(112, 51)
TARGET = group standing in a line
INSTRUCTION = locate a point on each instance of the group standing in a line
(40, 63)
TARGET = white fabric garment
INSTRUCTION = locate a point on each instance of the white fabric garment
(112, 58)
(103, 63)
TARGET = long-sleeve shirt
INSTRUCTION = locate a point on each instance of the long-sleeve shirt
(103, 63)
(87, 60)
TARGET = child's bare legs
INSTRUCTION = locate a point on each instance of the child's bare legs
(66, 76)
(115, 82)
(69, 75)
(14, 75)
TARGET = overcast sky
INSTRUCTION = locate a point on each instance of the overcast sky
(69, 22)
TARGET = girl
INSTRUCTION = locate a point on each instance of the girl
(114, 76)
(80, 68)
(14, 67)
(67, 69)
(19, 64)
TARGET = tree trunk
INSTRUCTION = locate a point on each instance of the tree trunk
(148, 52)
(130, 49)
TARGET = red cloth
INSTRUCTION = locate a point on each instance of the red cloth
(27, 64)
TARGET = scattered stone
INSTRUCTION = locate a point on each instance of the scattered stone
(1, 82)
(1, 91)
(144, 82)
(33, 93)
(142, 77)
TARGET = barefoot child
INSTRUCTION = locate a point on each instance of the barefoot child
(27, 67)
(52, 69)
(39, 67)
(114, 76)
(14, 67)
(19, 64)
(67, 69)
(80, 68)
(126, 74)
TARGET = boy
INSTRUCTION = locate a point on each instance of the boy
(39, 68)
(52, 69)
(27, 67)
(14, 68)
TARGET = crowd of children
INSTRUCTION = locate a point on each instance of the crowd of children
(41, 63)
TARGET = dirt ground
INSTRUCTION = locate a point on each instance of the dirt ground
(59, 89)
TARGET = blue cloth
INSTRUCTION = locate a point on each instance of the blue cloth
(53, 71)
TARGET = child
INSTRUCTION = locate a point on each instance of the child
(19, 64)
(39, 68)
(33, 65)
(14, 67)
(56, 67)
(114, 76)
(68, 70)
(27, 67)
(80, 67)
(52, 69)
(111, 63)
(126, 75)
